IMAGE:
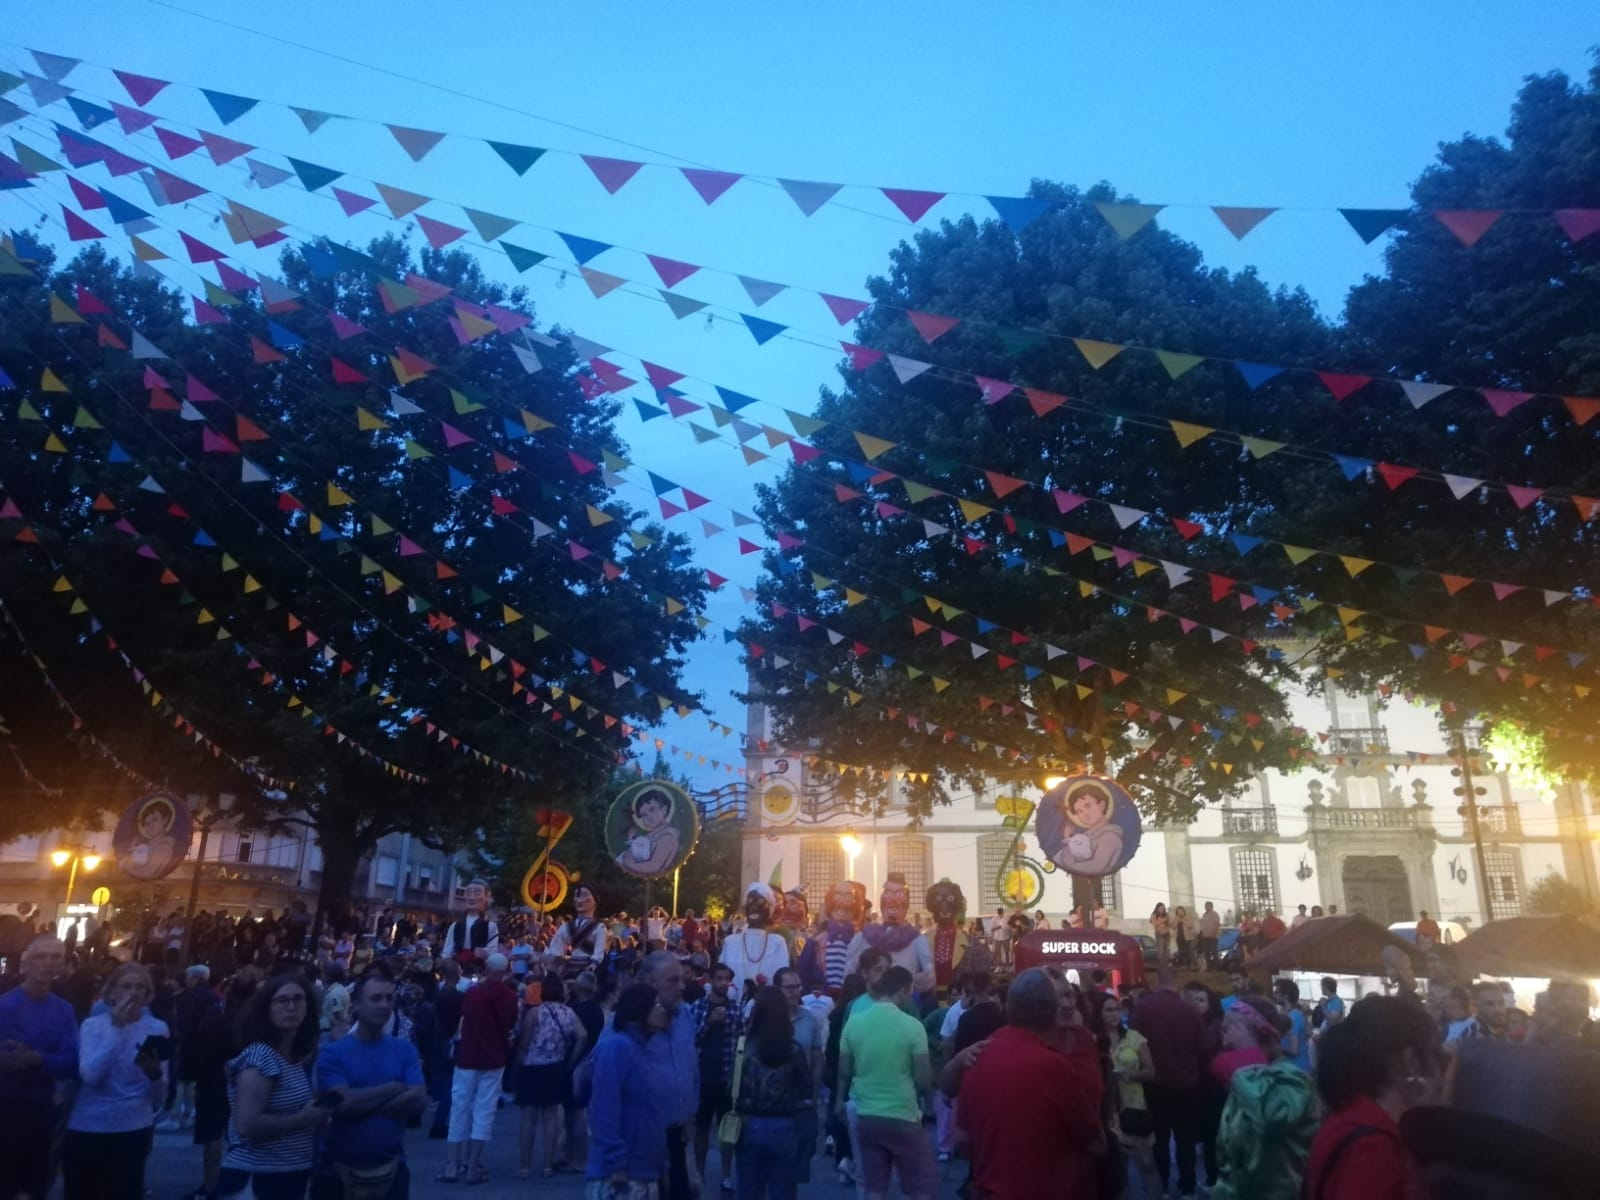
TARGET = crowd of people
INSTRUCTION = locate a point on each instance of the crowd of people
(662, 1067)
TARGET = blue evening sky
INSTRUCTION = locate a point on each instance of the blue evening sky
(1307, 107)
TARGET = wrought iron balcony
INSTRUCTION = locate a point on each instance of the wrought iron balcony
(1501, 819)
(1249, 822)
(1370, 740)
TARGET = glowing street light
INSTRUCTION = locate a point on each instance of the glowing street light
(851, 845)
(88, 860)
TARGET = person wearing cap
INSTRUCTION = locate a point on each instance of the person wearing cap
(488, 1015)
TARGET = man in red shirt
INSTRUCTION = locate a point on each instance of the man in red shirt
(1272, 928)
(1428, 928)
(488, 1015)
(1032, 1111)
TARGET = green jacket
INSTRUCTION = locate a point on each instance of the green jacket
(1265, 1136)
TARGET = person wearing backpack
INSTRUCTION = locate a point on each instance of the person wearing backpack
(1373, 1066)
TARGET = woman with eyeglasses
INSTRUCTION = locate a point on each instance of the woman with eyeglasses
(272, 1131)
(628, 1108)
(120, 1061)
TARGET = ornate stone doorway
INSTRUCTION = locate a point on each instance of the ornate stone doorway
(1377, 886)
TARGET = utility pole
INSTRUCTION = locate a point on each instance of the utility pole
(1469, 792)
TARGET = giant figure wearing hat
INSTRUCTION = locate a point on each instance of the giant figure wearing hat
(955, 951)
(904, 944)
(757, 951)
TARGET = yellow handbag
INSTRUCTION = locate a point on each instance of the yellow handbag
(733, 1121)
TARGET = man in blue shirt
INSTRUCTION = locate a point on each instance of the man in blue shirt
(377, 1081)
(677, 1065)
(38, 1050)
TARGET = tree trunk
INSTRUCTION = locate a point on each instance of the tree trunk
(342, 847)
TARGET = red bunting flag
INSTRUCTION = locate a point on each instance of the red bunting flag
(223, 150)
(861, 357)
(930, 325)
(912, 203)
(415, 142)
(263, 352)
(1394, 475)
(141, 88)
(1582, 408)
(87, 197)
(1503, 401)
(1578, 223)
(1003, 485)
(88, 303)
(352, 203)
(611, 172)
(453, 437)
(198, 392)
(78, 229)
(439, 233)
(994, 390)
(660, 377)
(177, 144)
(1467, 224)
(1187, 529)
(1502, 590)
(1240, 221)
(1221, 585)
(343, 372)
(672, 271)
(1043, 402)
(1523, 496)
(844, 310)
(247, 430)
(1342, 386)
(199, 252)
(1454, 583)
(215, 443)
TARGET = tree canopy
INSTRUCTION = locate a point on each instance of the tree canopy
(368, 594)
(1142, 605)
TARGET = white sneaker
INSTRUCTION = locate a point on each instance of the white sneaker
(944, 1156)
(847, 1172)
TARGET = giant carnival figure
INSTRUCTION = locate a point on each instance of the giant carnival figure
(955, 951)
(822, 961)
(757, 950)
(472, 938)
(581, 942)
(904, 944)
(794, 921)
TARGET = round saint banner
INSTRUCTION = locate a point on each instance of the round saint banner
(652, 828)
(152, 836)
(1088, 826)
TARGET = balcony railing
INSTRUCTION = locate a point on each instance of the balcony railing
(1501, 819)
(1362, 818)
(1250, 822)
(1370, 740)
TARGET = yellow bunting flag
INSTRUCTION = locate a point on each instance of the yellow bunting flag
(338, 497)
(1297, 554)
(1097, 354)
(1354, 565)
(971, 510)
(1261, 447)
(596, 516)
(367, 422)
(62, 313)
(84, 419)
(51, 382)
(1178, 364)
(871, 446)
(509, 615)
(1188, 434)
(55, 445)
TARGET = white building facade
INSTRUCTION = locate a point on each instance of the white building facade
(1373, 827)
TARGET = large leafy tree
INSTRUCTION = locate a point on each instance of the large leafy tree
(412, 557)
(1004, 581)
(1518, 311)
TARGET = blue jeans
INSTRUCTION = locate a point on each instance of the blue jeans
(767, 1160)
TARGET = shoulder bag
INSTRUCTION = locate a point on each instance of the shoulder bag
(733, 1120)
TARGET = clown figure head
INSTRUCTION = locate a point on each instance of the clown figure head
(796, 913)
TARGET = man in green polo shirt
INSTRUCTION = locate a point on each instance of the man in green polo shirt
(884, 1068)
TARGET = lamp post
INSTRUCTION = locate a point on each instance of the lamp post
(851, 845)
(206, 818)
(60, 858)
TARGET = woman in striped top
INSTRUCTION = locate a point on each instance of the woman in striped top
(272, 1132)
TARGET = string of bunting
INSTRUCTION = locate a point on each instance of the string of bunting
(22, 767)
(1469, 636)
(325, 531)
(1467, 225)
(79, 725)
(1348, 623)
(1340, 384)
(1098, 354)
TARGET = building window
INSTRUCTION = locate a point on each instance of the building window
(1255, 885)
(1109, 900)
(246, 847)
(912, 856)
(387, 870)
(993, 851)
(822, 864)
(1505, 895)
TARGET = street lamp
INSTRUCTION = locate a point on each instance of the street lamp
(86, 858)
(206, 818)
(851, 845)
